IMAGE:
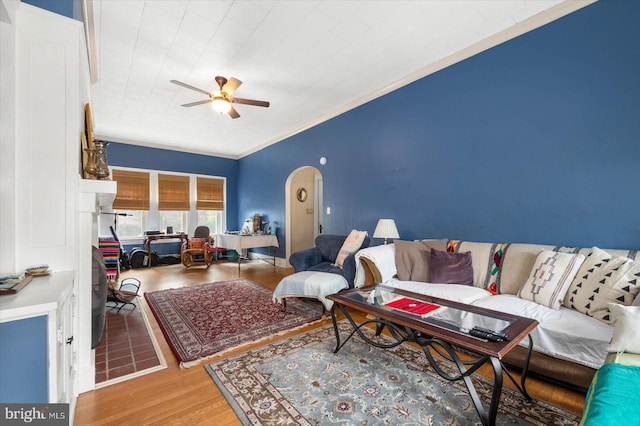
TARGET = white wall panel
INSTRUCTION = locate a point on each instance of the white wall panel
(7, 136)
(48, 125)
(47, 113)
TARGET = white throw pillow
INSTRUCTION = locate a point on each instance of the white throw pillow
(603, 278)
(550, 278)
(626, 332)
(351, 245)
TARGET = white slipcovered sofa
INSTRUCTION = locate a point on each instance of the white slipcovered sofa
(570, 342)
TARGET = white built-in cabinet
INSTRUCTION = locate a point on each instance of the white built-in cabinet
(40, 313)
(49, 213)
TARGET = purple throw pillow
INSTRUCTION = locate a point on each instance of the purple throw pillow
(451, 268)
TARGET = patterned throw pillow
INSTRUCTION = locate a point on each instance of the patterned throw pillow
(603, 278)
(196, 243)
(452, 246)
(351, 245)
(550, 278)
(493, 279)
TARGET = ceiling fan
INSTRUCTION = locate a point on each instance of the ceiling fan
(221, 100)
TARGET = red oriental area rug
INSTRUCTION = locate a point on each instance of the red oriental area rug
(210, 319)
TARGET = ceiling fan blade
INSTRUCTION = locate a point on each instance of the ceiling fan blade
(188, 86)
(233, 113)
(197, 103)
(231, 85)
(250, 102)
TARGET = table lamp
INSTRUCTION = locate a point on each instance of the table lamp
(386, 228)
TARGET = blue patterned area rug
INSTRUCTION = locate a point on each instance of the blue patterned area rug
(300, 381)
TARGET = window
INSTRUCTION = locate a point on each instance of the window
(174, 219)
(210, 203)
(210, 194)
(154, 201)
(174, 201)
(133, 190)
(131, 225)
(212, 219)
(173, 193)
(132, 200)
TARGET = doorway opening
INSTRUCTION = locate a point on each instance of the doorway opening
(303, 205)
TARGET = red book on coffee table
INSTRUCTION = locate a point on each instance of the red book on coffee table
(413, 306)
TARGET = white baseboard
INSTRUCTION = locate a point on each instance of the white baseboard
(280, 261)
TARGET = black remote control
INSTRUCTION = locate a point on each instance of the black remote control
(484, 333)
(504, 336)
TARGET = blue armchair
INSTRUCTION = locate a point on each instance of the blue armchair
(322, 257)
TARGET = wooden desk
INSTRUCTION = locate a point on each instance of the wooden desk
(149, 238)
(243, 242)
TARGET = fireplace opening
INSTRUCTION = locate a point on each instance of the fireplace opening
(98, 296)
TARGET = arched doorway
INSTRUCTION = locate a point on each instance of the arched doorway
(303, 205)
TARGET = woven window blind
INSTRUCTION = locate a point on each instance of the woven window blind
(173, 192)
(210, 194)
(133, 190)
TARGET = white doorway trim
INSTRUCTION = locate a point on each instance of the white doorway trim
(288, 206)
(318, 205)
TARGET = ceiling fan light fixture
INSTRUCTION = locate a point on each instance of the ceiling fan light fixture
(220, 105)
(221, 100)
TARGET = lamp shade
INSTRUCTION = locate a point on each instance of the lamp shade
(221, 105)
(386, 228)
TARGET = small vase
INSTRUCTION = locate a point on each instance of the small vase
(102, 171)
(90, 168)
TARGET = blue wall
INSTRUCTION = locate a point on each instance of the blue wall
(124, 155)
(535, 140)
(69, 8)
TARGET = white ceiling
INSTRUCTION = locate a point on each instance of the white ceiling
(312, 60)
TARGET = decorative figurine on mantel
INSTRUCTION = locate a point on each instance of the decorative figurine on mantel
(102, 171)
(90, 168)
(89, 159)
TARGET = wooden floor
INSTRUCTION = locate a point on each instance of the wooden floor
(177, 396)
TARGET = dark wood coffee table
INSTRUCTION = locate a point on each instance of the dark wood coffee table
(443, 331)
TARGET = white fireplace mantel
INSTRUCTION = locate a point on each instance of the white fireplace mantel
(105, 191)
